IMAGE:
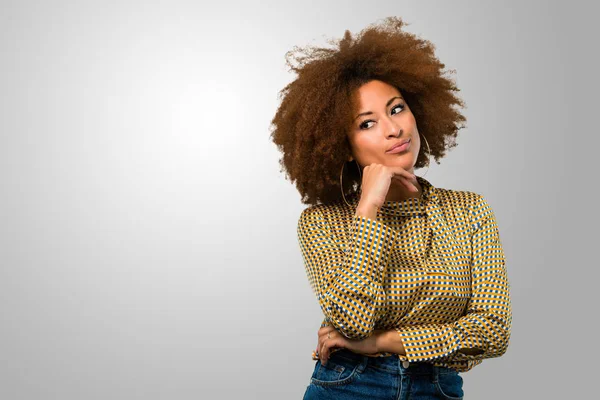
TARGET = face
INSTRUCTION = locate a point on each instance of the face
(383, 119)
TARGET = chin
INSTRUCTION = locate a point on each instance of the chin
(404, 160)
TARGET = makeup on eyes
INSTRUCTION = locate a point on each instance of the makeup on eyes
(401, 105)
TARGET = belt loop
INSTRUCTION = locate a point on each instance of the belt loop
(436, 372)
(401, 369)
(363, 363)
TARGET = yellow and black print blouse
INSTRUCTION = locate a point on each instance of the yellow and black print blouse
(432, 268)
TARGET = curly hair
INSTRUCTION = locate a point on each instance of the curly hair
(312, 122)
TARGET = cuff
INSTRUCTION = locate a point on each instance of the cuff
(428, 342)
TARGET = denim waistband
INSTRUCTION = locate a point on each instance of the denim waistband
(392, 364)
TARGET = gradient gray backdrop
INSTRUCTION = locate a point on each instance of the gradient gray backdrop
(148, 243)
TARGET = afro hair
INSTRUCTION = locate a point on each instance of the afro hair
(311, 125)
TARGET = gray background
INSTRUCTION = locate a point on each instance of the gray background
(148, 242)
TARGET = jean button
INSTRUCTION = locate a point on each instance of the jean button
(405, 364)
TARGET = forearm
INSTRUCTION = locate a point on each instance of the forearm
(347, 277)
(389, 341)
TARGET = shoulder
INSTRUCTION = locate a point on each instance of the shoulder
(473, 205)
(333, 219)
(458, 199)
(332, 213)
(311, 216)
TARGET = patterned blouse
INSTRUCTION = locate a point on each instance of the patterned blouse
(432, 268)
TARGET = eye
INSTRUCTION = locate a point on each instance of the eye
(401, 106)
(364, 126)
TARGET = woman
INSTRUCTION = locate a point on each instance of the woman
(411, 278)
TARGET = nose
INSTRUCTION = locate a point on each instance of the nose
(392, 128)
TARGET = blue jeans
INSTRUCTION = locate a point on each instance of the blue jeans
(352, 376)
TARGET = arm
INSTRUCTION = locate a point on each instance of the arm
(347, 282)
(484, 330)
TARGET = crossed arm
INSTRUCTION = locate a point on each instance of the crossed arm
(348, 285)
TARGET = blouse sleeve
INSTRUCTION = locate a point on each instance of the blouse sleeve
(346, 278)
(484, 330)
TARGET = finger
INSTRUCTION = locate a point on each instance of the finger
(327, 335)
(399, 171)
(327, 346)
(321, 336)
(408, 183)
(410, 178)
(323, 354)
(324, 330)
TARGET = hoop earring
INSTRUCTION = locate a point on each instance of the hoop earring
(428, 155)
(341, 184)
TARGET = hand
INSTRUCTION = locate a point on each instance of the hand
(376, 181)
(330, 338)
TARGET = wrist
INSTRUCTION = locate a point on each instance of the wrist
(381, 340)
(367, 210)
(390, 341)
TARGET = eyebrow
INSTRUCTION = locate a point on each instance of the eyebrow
(386, 105)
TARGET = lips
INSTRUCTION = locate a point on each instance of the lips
(397, 145)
